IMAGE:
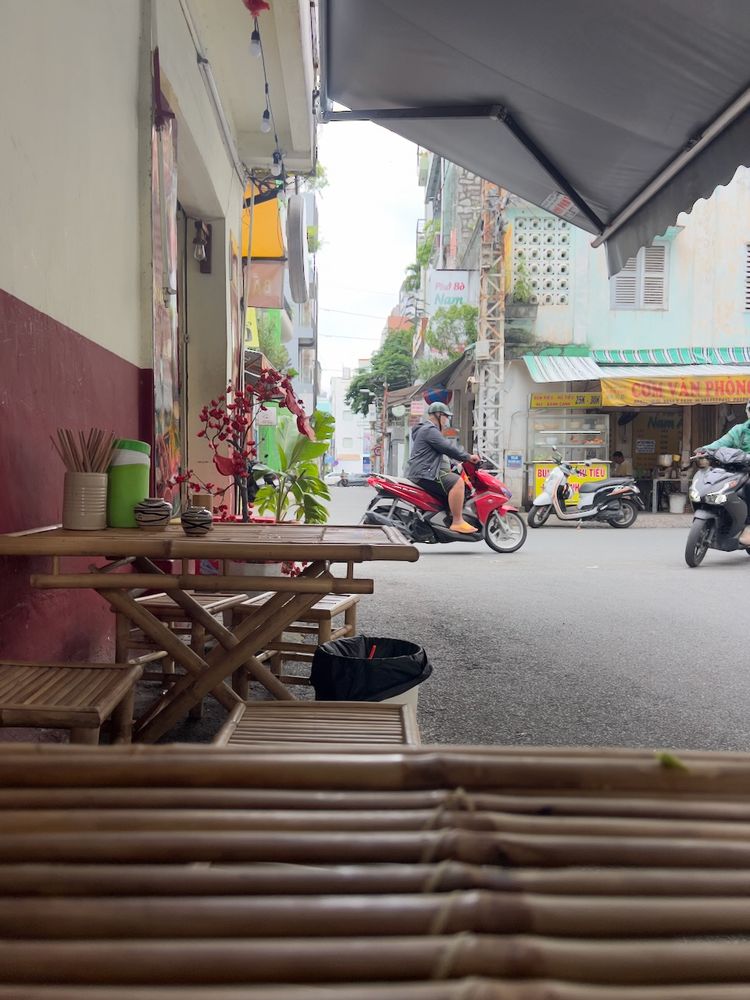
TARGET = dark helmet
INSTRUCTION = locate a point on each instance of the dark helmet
(439, 408)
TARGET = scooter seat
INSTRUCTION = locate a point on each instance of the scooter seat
(398, 479)
(617, 481)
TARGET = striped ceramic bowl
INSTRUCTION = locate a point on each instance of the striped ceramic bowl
(152, 514)
(197, 521)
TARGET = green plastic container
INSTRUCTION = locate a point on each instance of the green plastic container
(128, 483)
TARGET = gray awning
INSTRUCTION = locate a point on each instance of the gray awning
(615, 115)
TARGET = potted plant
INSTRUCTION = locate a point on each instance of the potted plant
(298, 489)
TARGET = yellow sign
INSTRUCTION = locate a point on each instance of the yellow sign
(682, 391)
(252, 337)
(596, 472)
(570, 400)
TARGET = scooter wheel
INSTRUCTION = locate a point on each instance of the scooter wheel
(505, 532)
(537, 516)
(697, 543)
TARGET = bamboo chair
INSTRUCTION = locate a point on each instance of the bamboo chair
(130, 639)
(319, 724)
(79, 697)
(333, 617)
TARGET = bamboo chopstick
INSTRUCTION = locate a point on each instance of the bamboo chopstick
(90, 452)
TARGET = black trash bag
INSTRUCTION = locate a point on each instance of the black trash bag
(342, 670)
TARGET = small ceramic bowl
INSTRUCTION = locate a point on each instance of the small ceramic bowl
(152, 514)
(197, 521)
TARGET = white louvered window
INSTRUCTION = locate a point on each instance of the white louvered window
(643, 282)
(747, 276)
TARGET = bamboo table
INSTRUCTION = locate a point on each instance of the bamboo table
(423, 873)
(318, 545)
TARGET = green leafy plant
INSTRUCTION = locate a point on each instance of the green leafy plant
(522, 291)
(300, 490)
(392, 365)
(413, 280)
(426, 245)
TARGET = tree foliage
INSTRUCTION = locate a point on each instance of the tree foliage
(393, 365)
(451, 330)
(275, 352)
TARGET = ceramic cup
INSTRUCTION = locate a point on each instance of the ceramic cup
(197, 521)
(152, 514)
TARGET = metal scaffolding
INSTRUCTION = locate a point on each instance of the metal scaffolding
(490, 347)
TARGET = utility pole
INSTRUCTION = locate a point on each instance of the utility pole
(383, 426)
(490, 346)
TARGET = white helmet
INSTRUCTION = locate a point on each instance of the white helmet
(747, 409)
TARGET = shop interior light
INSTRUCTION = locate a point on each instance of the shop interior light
(265, 122)
(276, 165)
(255, 49)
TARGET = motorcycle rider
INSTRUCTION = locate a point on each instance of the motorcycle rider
(429, 465)
(737, 437)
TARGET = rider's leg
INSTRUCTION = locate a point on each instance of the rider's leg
(456, 496)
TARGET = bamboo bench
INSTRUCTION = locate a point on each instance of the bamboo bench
(75, 696)
(318, 622)
(320, 723)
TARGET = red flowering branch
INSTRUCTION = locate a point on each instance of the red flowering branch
(228, 425)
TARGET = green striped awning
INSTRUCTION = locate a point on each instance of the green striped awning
(674, 356)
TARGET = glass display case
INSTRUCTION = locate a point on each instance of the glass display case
(577, 436)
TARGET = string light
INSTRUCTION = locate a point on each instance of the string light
(267, 120)
(255, 47)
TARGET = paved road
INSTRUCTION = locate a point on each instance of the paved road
(588, 637)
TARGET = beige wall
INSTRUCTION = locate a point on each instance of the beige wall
(69, 153)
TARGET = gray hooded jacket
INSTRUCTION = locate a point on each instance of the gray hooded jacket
(428, 452)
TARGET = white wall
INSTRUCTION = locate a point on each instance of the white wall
(69, 198)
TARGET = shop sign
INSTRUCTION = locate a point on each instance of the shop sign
(446, 288)
(595, 472)
(569, 400)
(514, 461)
(645, 446)
(417, 407)
(671, 391)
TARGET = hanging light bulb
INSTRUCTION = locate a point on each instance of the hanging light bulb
(255, 49)
(200, 252)
(265, 122)
(276, 165)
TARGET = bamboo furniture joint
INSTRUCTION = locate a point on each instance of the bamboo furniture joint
(418, 873)
(317, 546)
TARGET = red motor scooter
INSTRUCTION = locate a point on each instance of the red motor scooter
(422, 517)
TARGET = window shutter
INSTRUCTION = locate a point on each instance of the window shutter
(654, 286)
(625, 287)
(747, 276)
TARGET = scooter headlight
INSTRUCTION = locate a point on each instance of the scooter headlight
(716, 497)
(694, 494)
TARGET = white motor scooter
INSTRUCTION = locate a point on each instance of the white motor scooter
(614, 501)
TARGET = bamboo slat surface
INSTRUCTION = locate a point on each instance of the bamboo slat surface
(305, 542)
(417, 873)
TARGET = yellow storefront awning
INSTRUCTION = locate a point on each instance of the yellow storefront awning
(675, 385)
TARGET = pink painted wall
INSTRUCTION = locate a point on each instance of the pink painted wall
(51, 377)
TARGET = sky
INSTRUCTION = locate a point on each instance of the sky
(367, 226)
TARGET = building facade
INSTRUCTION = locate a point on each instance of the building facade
(130, 130)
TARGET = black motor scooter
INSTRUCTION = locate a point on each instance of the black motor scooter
(720, 508)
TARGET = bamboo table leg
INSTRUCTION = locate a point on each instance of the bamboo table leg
(284, 608)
